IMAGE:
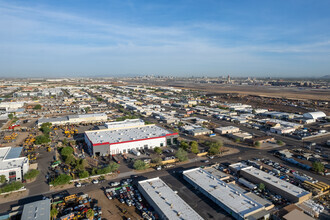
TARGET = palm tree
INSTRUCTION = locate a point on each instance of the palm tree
(90, 214)
(53, 212)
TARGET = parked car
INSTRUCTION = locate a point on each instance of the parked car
(95, 181)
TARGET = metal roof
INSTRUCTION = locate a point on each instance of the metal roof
(39, 210)
(225, 193)
(115, 135)
(276, 182)
(172, 206)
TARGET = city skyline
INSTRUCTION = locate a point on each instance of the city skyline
(120, 38)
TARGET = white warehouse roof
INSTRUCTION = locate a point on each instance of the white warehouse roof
(226, 194)
(166, 200)
(277, 182)
(314, 115)
(118, 135)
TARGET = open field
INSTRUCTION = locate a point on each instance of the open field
(267, 91)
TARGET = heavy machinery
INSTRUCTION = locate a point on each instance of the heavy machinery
(29, 140)
(49, 149)
(10, 137)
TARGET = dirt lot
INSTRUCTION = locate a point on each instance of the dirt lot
(112, 209)
(13, 196)
(270, 91)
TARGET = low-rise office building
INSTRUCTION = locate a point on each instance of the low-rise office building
(122, 140)
(12, 166)
(199, 131)
(165, 201)
(242, 136)
(227, 130)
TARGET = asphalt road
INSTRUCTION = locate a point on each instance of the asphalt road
(245, 153)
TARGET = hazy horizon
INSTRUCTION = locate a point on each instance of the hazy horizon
(56, 39)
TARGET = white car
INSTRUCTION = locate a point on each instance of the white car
(78, 185)
(95, 181)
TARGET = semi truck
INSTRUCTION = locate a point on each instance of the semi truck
(247, 183)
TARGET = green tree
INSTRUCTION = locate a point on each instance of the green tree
(237, 140)
(279, 142)
(157, 160)
(158, 150)
(37, 107)
(65, 141)
(94, 171)
(184, 145)
(10, 116)
(262, 186)
(83, 174)
(42, 139)
(70, 160)
(113, 166)
(182, 155)
(31, 174)
(140, 165)
(61, 180)
(194, 147)
(66, 151)
(11, 187)
(3, 179)
(46, 128)
(53, 212)
(318, 166)
(215, 147)
(87, 109)
(213, 150)
(257, 144)
(90, 214)
(80, 164)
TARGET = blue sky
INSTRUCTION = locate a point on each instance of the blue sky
(180, 38)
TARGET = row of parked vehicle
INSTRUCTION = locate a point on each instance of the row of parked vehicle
(126, 193)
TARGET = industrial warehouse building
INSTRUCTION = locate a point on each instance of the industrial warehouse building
(165, 201)
(39, 210)
(12, 166)
(314, 115)
(122, 140)
(227, 130)
(74, 119)
(125, 123)
(234, 202)
(276, 185)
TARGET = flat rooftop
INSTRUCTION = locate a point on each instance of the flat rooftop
(223, 192)
(276, 182)
(125, 123)
(227, 128)
(39, 210)
(68, 117)
(117, 135)
(237, 166)
(9, 158)
(167, 200)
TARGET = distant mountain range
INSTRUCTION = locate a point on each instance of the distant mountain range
(325, 77)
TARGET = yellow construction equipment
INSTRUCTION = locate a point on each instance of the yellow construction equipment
(70, 197)
(49, 149)
(10, 137)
